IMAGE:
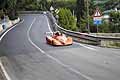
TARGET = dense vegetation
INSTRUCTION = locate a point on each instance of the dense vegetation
(108, 4)
(66, 19)
(8, 7)
(113, 25)
(115, 22)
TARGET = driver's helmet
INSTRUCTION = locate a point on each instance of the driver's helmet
(57, 33)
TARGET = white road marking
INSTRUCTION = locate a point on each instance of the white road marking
(48, 25)
(1, 65)
(4, 71)
(90, 48)
(9, 30)
(28, 35)
(53, 58)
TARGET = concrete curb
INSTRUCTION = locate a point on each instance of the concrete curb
(7, 69)
(4, 73)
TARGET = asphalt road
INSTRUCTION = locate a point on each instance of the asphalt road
(33, 59)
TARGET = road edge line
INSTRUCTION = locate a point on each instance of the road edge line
(53, 58)
(4, 71)
(64, 65)
(10, 29)
(87, 47)
(1, 64)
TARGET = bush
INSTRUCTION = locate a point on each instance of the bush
(82, 25)
(66, 19)
(70, 4)
(31, 7)
(104, 27)
(115, 21)
(12, 14)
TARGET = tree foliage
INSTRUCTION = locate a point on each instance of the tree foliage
(80, 7)
(111, 4)
(66, 19)
(70, 4)
(12, 9)
(2, 4)
(9, 8)
(32, 4)
(115, 21)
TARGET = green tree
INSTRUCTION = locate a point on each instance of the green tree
(2, 8)
(111, 4)
(104, 27)
(12, 9)
(43, 4)
(9, 7)
(70, 4)
(66, 19)
(32, 5)
(115, 21)
(80, 7)
(2, 4)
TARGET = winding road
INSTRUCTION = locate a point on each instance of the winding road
(33, 59)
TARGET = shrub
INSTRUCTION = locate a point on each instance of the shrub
(66, 19)
(115, 21)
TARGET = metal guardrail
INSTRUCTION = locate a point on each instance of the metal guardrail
(77, 36)
(82, 37)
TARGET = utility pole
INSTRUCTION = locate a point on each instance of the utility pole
(88, 26)
(73, 13)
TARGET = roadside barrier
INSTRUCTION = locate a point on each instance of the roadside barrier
(105, 41)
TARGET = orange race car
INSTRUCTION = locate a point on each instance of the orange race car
(58, 39)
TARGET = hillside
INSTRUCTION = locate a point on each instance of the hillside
(107, 4)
